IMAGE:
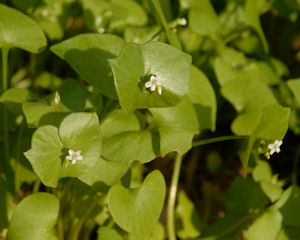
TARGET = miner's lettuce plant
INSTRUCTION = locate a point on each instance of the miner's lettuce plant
(122, 88)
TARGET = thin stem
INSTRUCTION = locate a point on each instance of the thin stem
(5, 117)
(60, 227)
(77, 224)
(164, 22)
(218, 139)
(172, 198)
(36, 186)
(18, 157)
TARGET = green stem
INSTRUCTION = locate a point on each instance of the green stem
(60, 227)
(36, 186)
(218, 139)
(164, 22)
(5, 117)
(172, 198)
(77, 224)
(18, 157)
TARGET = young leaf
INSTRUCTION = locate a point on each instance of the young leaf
(273, 125)
(18, 30)
(88, 55)
(136, 64)
(34, 218)
(137, 210)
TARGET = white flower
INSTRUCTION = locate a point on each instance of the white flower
(57, 98)
(154, 83)
(182, 21)
(101, 30)
(73, 156)
(275, 147)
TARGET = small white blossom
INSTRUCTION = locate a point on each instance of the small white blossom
(275, 147)
(57, 98)
(136, 40)
(182, 21)
(154, 83)
(73, 156)
(98, 20)
(101, 30)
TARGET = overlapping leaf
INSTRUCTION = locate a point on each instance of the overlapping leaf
(88, 54)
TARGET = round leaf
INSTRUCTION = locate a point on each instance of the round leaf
(137, 210)
(18, 30)
(34, 218)
(134, 66)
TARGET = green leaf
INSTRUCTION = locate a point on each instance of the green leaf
(105, 233)
(18, 30)
(262, 171)
(265, 227)
(176, 125)
(288, 205)
(158, 232)
(34, 218)
(14, 97)
(106, 172)
(252, 18)
(39, 114)
(88, 55)
(49, 148)
(203, 19)
(273, 125)
(188, 223)
(130, 146)
(134, 66)
(271, 190)
(137, 210)
(249, 97)
(45, 155)
(119, 122)
(203, 98)
(294, 85)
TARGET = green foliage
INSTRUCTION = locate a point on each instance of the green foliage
(35, 217)
(137, 209)
(122, 106)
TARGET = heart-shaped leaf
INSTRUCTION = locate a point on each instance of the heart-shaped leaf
(18, 30)
(88, 55)
(50, 146)
(34, 218)
(294, 85)
(137, 210)
(136, 64)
